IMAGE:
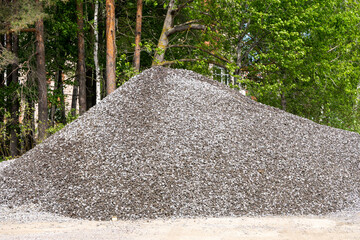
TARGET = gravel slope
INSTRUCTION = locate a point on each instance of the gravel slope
(174, 143)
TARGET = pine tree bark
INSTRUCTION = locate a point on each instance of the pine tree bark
(96, 51)
(110, 47)
(41, 79)
(138, 35)
(81, 74)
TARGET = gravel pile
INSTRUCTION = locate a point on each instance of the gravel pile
(174, 143)
(29, 214)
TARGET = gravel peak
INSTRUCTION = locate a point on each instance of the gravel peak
(173, 143)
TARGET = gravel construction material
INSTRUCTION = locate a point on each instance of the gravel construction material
(29, 214)
(172, 143)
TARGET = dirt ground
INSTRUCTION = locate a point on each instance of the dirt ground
(251, 228)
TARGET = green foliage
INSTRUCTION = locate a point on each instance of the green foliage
(6, 58)
(301, 56)
(3, 158)
(58, 126)
(24, 128)
(16, 15)
(309, 60)
(124, 70)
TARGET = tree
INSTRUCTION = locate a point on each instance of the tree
(302, 60)
(169, 29)
(290, 55)
(300, 56)
(81, 75)
(110, 47)
(41, 78)
(96, 51)
(138, 35)
(16, 19)
(13, 80)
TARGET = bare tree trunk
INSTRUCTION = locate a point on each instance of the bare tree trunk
(96, 51)
(14, 141)
(164, 40)
(32, 137)
(81, 75)
(138, 35)
(41, 77)
(110, 47)
(169, 29)
(90, 88)
(2, 79)
(60, 86)
(74, 99)
(7, 79)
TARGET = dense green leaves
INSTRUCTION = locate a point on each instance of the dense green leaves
(302, 56)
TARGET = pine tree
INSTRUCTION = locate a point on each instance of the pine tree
(138, 35)
(110, 47)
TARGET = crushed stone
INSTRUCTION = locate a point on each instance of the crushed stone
(28, 214)
(172, 143)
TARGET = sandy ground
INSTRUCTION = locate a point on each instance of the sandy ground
(292, 228)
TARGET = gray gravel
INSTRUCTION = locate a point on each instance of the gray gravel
(5, 164)
(172, 143)
(28, 214)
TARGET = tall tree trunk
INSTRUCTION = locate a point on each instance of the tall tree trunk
(164, 40)
(60, 86)
(110, 47)
(23, 108)
(81, 58)
(14, 141)
(96, 51)
(138, 35)
(2, 111)
(8, 101)
(90, 88)
(32, 120)
(2, 80)
(41, 78)
(74, 99)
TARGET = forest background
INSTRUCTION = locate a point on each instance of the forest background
(297, 55)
